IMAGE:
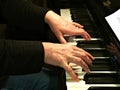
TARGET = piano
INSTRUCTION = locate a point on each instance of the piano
(104, 45)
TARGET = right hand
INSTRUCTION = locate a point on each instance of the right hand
(63, 54)
(61, 27)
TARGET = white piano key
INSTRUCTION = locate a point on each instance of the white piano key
(94, 48)
(65, 13)
(82, 39)
(72, 43)
(102, 57)
(81, 85)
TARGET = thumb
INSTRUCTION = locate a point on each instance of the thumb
(62, 39)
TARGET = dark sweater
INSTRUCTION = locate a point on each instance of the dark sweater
(21, 56)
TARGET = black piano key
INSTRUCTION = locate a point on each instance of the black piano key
(80, 16)
(102, 78)
(94, 35)
(81, 11)
(99, 41)
(89, 28)
(102, 61)
(85, 24)
(89, 45)
(80, 20)
(102, 64)
(103, 88)
(97, 44)
(102, 67)
(98, 53)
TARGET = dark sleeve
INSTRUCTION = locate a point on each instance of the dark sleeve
(20, 57)
(23, 13)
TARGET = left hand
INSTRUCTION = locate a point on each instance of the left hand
(63, 54)
(62, 27)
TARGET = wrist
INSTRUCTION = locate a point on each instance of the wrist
(51, 17)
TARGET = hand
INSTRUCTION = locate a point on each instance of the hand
(63, 54)
(62, 27)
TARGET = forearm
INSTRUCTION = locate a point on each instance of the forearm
(20, 57)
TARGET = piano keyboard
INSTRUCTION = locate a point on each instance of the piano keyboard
(103, 75)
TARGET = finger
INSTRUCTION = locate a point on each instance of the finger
(83, 51)
(84, 56)
(90, 56)
(61, 39)
(86, 35)
(87, 60)
(81, 63)
(82, 32)
(72, 74)
(77, 25)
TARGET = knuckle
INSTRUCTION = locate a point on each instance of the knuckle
(79, 61)
(84, 55)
